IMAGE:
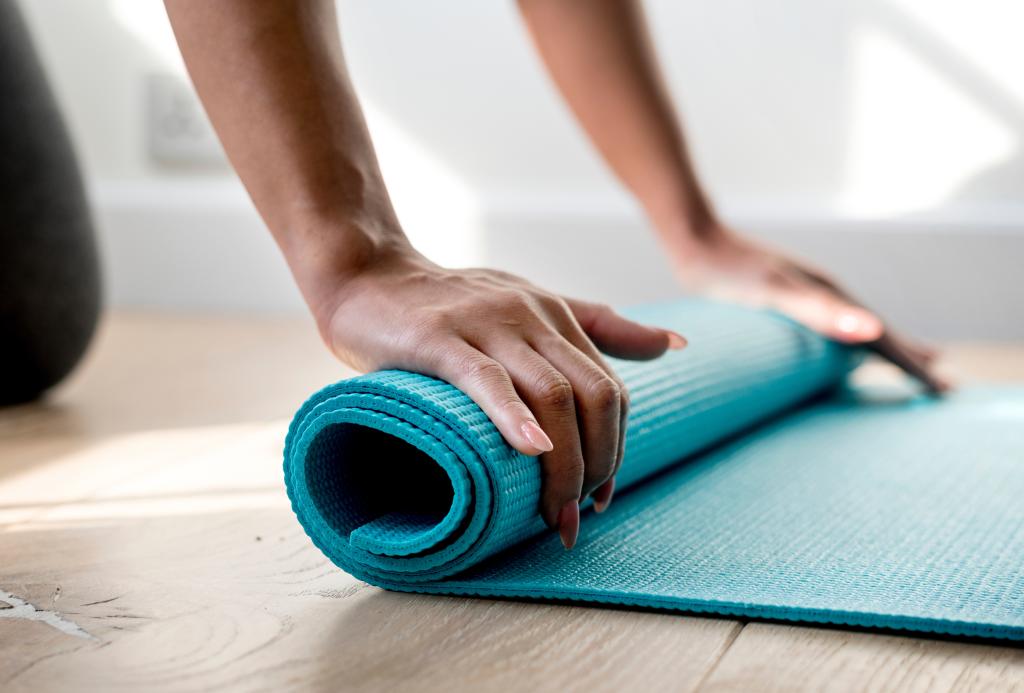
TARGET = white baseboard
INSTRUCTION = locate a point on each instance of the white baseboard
(199, 246)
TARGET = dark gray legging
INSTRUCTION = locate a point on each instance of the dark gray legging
(49, 274)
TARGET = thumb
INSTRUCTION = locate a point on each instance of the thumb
(831, 316)
(622, 338)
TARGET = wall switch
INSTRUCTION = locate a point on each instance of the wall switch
(177, 131)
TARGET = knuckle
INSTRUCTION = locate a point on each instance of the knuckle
(565, 474)
(555, 391)
(502, 274)
(554, 303)
(484, 370)
(603, 393)
(512, 300)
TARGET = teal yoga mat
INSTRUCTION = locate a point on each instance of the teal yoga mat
(753, 485)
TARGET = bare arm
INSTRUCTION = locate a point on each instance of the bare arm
(273, 80)
(601, 58)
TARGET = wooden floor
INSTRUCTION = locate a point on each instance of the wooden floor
(146, 544)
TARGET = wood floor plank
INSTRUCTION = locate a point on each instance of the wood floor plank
(771, 657)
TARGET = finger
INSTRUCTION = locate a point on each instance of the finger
(818, 277)
(926, 353)
(623, 431)
(894, 351)
(622, 338)
(603, 495)
(598, 397)
(826, 313)
(550, 395)
(920, 351)
(489, 385)
(892, 346)
(914, 359)
(567, 324)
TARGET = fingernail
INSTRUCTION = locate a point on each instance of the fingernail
(537, 437)
(848, 323)
(603, 495)
(676, 341)
(855, 324)
(569, 524)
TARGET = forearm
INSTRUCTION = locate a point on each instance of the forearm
(600, 56)
(272, 78)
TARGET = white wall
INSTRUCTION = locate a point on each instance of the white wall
(883, 137)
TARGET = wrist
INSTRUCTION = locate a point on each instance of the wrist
(328, 258)
(689, 240)
(683, 217)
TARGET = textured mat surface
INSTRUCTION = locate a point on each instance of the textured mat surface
(744, 491)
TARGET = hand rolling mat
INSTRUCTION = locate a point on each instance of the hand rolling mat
(745, 491)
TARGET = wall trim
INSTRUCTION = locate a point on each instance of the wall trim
(198, 245)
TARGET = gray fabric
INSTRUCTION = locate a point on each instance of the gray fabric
(49, 273)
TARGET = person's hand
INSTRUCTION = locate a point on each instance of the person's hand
(726, 265)
(530, 359)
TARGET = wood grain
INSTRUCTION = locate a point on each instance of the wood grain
(143, 504)
(778, 658)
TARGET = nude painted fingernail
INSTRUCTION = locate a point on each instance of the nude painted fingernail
(537, 437)
(676, 341)
(603, 496)
(569, 524)
(848, 323)
(856, 324)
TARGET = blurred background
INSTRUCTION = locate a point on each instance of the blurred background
(883, 139)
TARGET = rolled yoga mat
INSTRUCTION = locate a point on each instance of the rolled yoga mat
(752, 486)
